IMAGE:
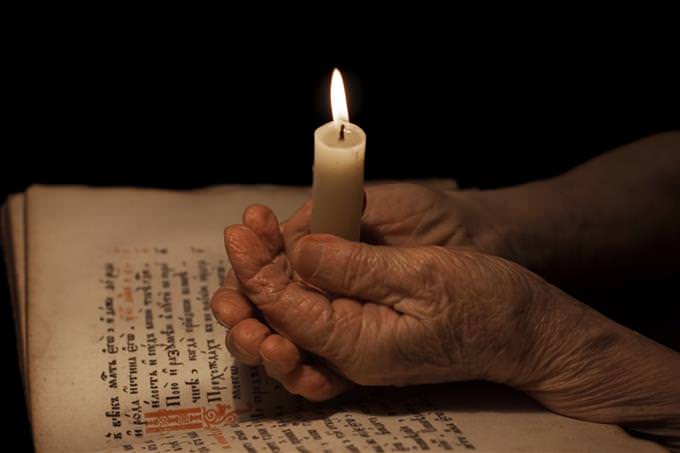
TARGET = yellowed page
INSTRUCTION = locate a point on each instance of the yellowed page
(122, 340)
(453, 417)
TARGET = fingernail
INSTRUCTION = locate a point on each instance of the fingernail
(220, 322)
(309, 252)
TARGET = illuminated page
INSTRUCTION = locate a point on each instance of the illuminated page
(123, 343)
(453, 417)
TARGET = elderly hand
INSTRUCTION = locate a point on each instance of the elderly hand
(375, 314)
(398, 315)
(395, 214)
(417, 302)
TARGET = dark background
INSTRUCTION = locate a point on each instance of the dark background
(177, 115)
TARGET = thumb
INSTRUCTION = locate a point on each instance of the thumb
(353, 269)
(293, 310)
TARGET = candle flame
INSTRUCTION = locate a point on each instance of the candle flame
(338, 99)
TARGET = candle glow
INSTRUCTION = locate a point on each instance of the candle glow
(338, 100)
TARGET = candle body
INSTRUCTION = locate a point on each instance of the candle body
(338, 189)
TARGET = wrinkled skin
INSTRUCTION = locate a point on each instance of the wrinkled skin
(410, 214)
(413, 312)
(423, 299)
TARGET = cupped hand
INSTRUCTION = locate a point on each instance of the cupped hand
(336, 312)
(394, 214)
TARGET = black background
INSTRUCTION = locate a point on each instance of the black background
(176, 114)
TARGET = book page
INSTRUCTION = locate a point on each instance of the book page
(450, 417)
(122, 338)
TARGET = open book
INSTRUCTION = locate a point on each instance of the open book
(120, 351)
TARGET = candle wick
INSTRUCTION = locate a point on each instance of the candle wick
(342, 132)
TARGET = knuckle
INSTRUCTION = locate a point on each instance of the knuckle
(269, 348)
(250, 330)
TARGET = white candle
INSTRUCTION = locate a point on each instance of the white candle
(338, 190)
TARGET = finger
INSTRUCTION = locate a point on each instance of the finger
(282, 361)
(315, 383)
(247, 253)
(398, 213)
(297, 226)
(384, 202)
(377, 198)
(229, 304)
(369, 223)
(279, 356)
(353, 269)
(230, 307)
(244, 340)
(305, 316)
(265, 225)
